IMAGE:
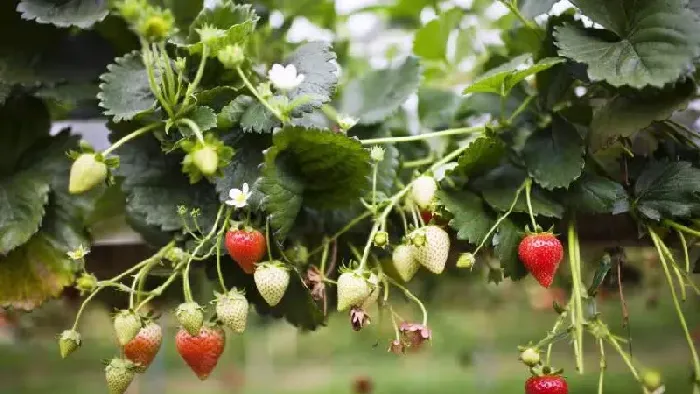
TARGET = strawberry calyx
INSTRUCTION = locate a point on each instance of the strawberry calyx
(545, 370)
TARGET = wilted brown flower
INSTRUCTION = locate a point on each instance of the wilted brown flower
(363, 385)
(413, 335)
(359, 318)
(314, 280)
(396, 347)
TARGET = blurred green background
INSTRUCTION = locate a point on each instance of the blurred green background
(476, 331)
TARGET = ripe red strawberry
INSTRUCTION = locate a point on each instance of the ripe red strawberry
(246, 247)
(201, 352)
(541, 254)
(143, 348)
(548, 384)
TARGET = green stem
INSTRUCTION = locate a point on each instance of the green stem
(345, 229)
(502, 218)
(528, 192)
(194, 127)
(521, 108)
(133, 291)
(625, 357)
(686, 275)
(603, 365)
(420, 162)
(375, 170)
(169, 73)
(555, 329)
(660, 246)
(219, 238)
(129, 137)
(83, 305)
(149, 60)
(197, 79)
(413, 298)
(513, 7)
(267, 238)
(396, 198)
(324, 256)
(684, 245)
(457, 131)
(681, 227)
(257, 95)
(577, 319)
(186, 282)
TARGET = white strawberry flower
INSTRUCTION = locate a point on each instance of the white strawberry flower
(239, 198)
(285, 77)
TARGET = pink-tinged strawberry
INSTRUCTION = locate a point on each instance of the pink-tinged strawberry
(119, 374)
(232, 310)
(541, 253)
(246, 247)
(126, 325)
(271, 279)
(143, 348)
(201, 352)
(547, 384)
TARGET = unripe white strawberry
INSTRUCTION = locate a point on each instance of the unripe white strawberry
(127, 325)
(353, 290)
(433, 254)
(404, 259)
(423, 191)
(119, 375)
(271, 279)
(86, 172)
(232, 310)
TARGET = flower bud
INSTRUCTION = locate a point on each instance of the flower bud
(231, 56)
(376, 153)
(651, 380)
(466, 260)
(86, 173)
(86, 283)
(530, 357)
(381, 238)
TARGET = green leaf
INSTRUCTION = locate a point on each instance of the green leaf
(554, 156)
(22, 200)
(470, 219)
(24, 120)
(506, 242)
(316, 61)
(430, 41)
(64, 13)
(668, 190)
(185, 12)
(503, 78)
(244, 166)
(204, 117)
(321, 169)
(533, 8)
(437, 108)
(232, 113)
(33, 273)
(387, 170)
(483, 153)
(596, 194)
(499, 186)
(125, 91)
(627, 113)
(258, 119)
(647, 42)
(236, 22)
(380, 93)
(155, 186)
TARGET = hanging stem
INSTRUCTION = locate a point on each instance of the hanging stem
(129, 137)
(375, 170)
(345, 229)
(194, 127)
(528, 191)
(577, 319)
(603, 365)
(681, 227)
(502, 218)
(197, 79)
(149, 61)
(660, 248)
(419, 137)
(412, 297)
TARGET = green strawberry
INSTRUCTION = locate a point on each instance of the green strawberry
(232, 310)
(68, 342)
(119, 374)
(404, 259)
(190, 316)
(353, 290)
(434, 251)
(127, 325)
(271, 279)
(86, 172)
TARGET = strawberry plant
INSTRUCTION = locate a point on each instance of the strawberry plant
(296, 174)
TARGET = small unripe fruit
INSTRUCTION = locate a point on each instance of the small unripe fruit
(207, 160)
(68, 342)
(530, 357)
(381, 238)
(651, 380)
(86, 173)
(423, 191)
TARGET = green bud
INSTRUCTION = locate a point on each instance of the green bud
(381, 238)
(651, 380)
(206, 159)
(210, 35)
(175, 254)
(466, 260)
(68, 342)
(231, 56)
(418, 239)
(157, 26)
(86, 283)
(130, 10)
(86, 173)
(530, 357)
(180, 64)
